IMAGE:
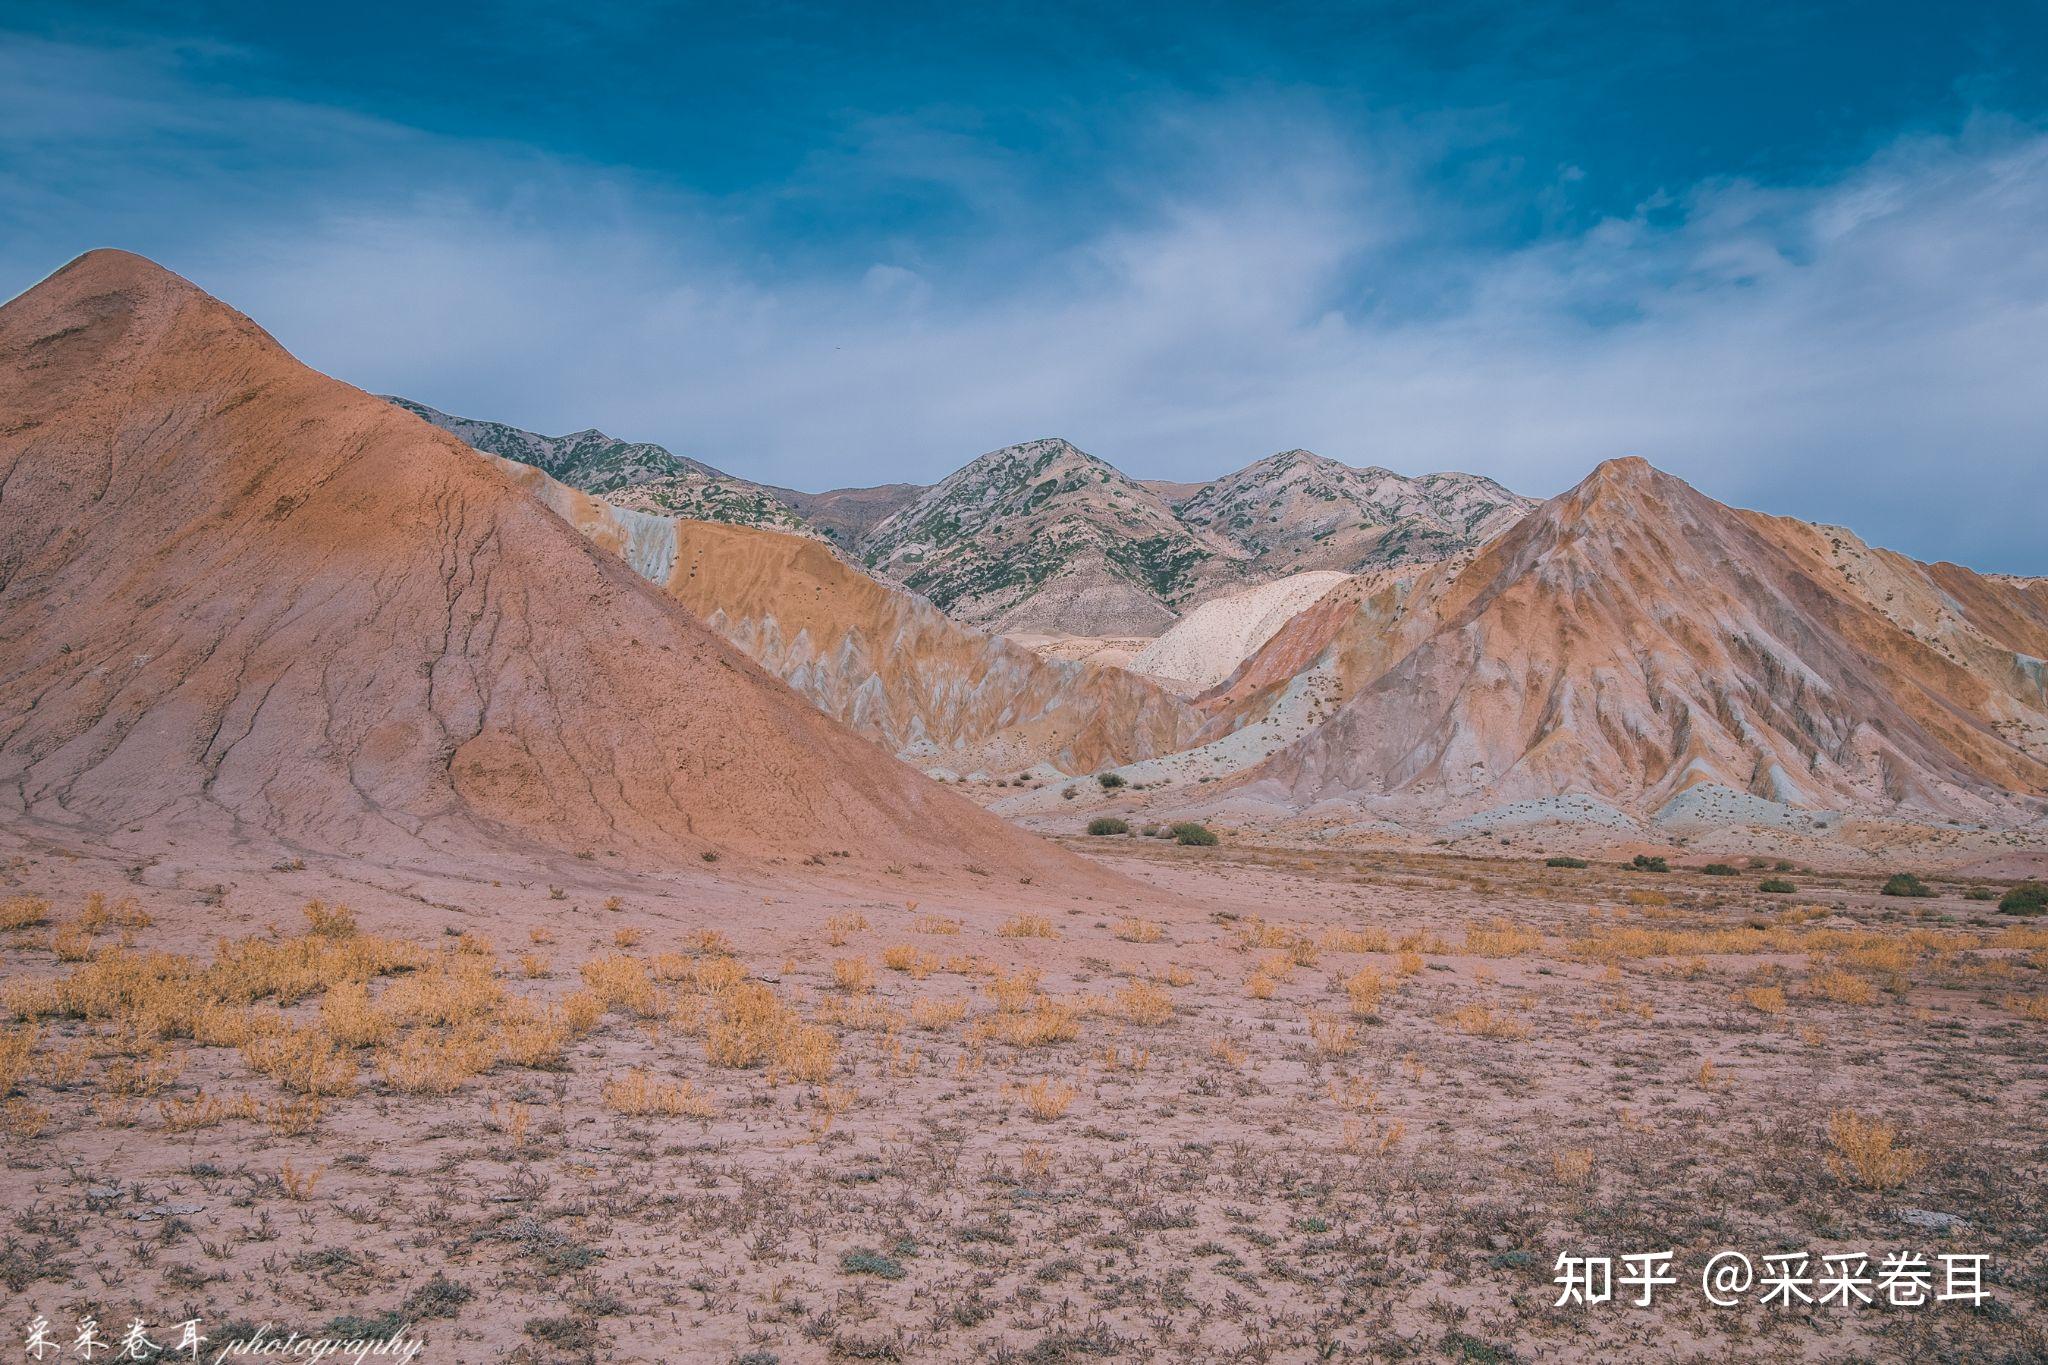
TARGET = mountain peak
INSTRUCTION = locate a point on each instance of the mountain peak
(1621, 487)
(1624, 471)
(110, 267)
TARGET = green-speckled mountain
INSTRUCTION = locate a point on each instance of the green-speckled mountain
(633, 474)
(1043, 538)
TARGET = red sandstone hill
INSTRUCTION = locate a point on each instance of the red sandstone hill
(1636, 642)
(239, 597)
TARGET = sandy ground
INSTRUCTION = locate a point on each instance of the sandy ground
(1272, 1104)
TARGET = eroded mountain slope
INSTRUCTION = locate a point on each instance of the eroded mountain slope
(885, 662)
(1635, 641)
(241, 599)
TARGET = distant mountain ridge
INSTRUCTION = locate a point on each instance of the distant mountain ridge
(1297, 512)
(1043, 538)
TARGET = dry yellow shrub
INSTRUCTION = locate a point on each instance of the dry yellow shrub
(854, 975)
(804, 1052)
(582, 1011)
(533, 1038)
(1144, 1004)
(1048, 1021)
(1047, 1099)
(23, 912)
(622, 983)
(302, 1060)
(1013, 991)
(431, 1062)
(1332, 1036)
(1866, 1152)
(352, 1019)
(639, 1094)
(1840, 987)
(1026, 926)
(1484, 1021)
(1764, 999)
(1356, 941)
(1365, 988)
(1133, 930)
(16, 1047)
(2034, 1007)
(934, 1015)
(1500, 938)
(839, 926)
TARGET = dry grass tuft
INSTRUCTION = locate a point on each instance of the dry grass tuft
(1866, 1152)
(1047, 1099)
(1026, 926)
(23, 912)
(854, 975)
(1500, 938)
(641, 1095)
(1365, 988)
(304, 1061)
(1144, 1004)
(433, 1062)
(1133, 930)
(1839, 987)
(935, 1015)
(1356, 941)
(1333, 1036)
(1763, 999)
(1484, 1021)
(1573, 1166)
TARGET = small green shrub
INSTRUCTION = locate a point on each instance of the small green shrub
(1980, 893)
(1189, 832)
(1719, 869)
(1643, 862)
(863, 1261)
(1110, 781)
(1108, 824)
(1777, 886)
(1781, 866)
(1564, 862)
(1906, 884)
(2028, 898)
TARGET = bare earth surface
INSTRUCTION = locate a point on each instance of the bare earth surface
(1266, 1105)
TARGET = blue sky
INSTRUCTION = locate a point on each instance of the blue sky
(1794, 253)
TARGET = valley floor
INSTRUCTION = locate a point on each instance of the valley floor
(1269, 1104)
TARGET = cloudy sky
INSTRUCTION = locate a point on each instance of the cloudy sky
(1796, 253)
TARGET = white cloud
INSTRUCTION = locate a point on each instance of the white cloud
(1862, 351)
